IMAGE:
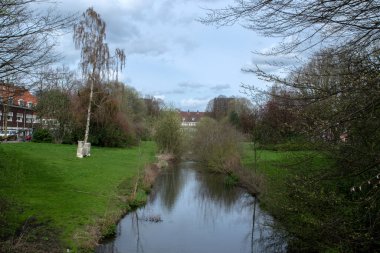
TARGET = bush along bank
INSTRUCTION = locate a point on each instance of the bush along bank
(49, 198)
(218, 147)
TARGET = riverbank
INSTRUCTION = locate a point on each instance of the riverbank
(280, 166)
(303, 200)
(47, 193)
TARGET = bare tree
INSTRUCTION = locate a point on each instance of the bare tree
(304, 24)
(54, 88)
(60, 78)
(96, 62)
(27, 38)
(338, 93)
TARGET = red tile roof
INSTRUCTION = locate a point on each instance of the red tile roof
(18, 94)
(191, 116)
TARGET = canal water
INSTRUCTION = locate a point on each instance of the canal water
(190, 211)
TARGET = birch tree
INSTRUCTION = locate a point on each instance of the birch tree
(97, 63)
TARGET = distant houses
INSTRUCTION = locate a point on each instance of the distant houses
(17, 109)
(190, 119)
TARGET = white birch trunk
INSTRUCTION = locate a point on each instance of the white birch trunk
(84, 148)
(89, 111)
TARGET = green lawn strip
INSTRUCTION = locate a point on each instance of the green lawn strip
(308, 210)
(51, 183)
(277, 166)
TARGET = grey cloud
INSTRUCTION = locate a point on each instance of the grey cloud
(146, 47)
(122, 32)
(191, 85)
(133, 24)
(174, 92)
(169, 92)
(187, 44)
(220, 87)
(217, 87)
(168, 12)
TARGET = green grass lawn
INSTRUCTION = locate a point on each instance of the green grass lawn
(278, 167)
(302, 200)
(48, 181)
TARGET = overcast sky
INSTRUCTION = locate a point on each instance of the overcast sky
(170, 55)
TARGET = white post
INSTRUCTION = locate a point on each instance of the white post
(87, 149)
(80, 149)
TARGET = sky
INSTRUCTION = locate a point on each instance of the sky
(170, 54)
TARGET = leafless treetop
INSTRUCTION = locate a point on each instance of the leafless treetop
(306, 23)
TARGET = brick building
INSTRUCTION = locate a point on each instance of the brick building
(190, 119)
(17, 109)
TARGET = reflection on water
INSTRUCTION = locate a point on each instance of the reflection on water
(196, 214)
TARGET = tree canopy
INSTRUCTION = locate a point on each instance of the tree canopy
(27, 37)
(305, 24)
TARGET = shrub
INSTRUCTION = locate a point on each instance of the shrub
(42, 135)
(217, 145)
(111, 136)
(168, 134)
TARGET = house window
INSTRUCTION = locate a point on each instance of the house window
(192, 119)
(21, 102)
(29, 118)
(10, 116)
(10, 100)
(1, 100)
(19, 117)
(30, 104)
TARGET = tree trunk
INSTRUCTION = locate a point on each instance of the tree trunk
(89, 111)
(84, 147)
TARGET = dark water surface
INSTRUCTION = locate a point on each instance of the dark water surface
(193, 212)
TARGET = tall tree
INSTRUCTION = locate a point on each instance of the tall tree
(58, 78)
(308, 23)
(54, 105)
(218, 107)
(96, 61)
(339, 92)
(304, 26)
(27, 38)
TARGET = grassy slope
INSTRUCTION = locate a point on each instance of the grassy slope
(278, 167)
(308, 210)
(51, 183)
